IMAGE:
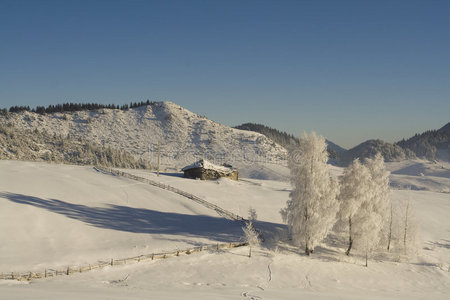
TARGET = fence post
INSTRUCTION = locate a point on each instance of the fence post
(46, 273)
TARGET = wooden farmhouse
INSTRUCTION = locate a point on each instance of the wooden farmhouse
(205, 170)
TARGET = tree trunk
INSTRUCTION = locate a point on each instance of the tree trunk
(350, 239)
(406, 227)
(390, 230)
(308, 249)
(367, 254)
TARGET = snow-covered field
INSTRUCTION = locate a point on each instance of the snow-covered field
(53, 216)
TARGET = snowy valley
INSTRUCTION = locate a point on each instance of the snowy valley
(54, 216)
(66, 217)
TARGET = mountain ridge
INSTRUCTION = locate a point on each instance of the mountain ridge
(286, 140)
(184, 136)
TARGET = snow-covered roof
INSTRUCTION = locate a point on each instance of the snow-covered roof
(202, 163)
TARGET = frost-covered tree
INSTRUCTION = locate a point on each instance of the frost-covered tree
(380, 184)
(251, 236)
(380, 197)
(364, 204)
(354, 191)
(408, 228)
(311, 210)
(252, 215)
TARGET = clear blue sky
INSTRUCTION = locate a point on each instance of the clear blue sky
(350, 70)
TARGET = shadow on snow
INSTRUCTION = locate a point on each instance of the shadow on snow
(138, 220)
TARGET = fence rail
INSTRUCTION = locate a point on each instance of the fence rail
(80, 269)
(113, 262)
(222, 212)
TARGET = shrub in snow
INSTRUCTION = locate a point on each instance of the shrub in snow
(311, 210)
(251, 236)
(252, 216)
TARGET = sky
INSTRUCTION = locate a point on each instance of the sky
(349, 70)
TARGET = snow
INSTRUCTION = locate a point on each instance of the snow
(203, 163)
(63, 215)
(184, 136)
(58, 215)
(420, 175)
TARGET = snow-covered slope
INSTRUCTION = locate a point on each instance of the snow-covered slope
(420, 175)
(56, 215)
(183, 135)
(446, 127)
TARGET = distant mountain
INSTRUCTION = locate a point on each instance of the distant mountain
(432, 144)
(368, 149)
(281, 138)
(183, 136)
(446, 127)
(334, 147)
(284, 139)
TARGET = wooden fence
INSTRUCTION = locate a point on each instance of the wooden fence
(113, 262)
(80, 269)
(222, 212)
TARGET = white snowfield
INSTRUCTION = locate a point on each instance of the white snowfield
(54, 216)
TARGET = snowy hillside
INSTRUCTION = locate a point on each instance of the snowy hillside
(184, 136)
(72, 215)
(35, 145)
(368, 149)
(431, 144)
(54, 216)
(420, 175)
(287, 140)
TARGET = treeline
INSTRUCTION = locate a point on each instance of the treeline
(425, 145)
(38, 145)
(73, 107)
(281, 138)
(369, 148)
